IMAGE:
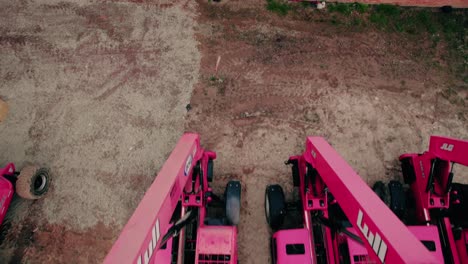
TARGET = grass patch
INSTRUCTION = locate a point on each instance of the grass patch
(361, 8)
(387, 10)
(383, 15)
(334, 20)
(357, 21)
(448, 27)
(306, 4)
(342, 8)
(424, 18)
(347, 9)
(380, 20)
(453, 25)
(417, 22)
(279, 7)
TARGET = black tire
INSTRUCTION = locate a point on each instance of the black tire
(233, 202)
(397, 199)
(275, 206)
(273, 251)
(33, 182)
(408, 171)
(382, 191)
(210, 171)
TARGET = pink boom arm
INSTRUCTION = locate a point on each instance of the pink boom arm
(386, 238)
(142, 234)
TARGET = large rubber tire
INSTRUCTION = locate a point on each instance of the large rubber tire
(33, 182)
(382, 191)
(210, 171)
(397, 199)
(275, 206)
(408, 171)
(233, 202)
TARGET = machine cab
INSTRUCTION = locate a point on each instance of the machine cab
(291, 246)
(216, 244)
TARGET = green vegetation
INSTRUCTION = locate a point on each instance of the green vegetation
(439, 26)
(395, 18)
(279, 7)
(306, 4)
(361, 8)
(387, 10)
(347, 9)
(378, 19)
(342, 8)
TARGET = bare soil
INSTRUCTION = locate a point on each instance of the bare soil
(98, 92)
(373, 95)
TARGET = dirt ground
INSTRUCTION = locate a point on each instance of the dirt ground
(98, 92)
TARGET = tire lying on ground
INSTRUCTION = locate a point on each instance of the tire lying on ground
(33, 182)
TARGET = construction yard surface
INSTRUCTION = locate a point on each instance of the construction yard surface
(101, 91)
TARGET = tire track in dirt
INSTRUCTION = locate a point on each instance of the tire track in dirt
(97, 92)
(281, 79)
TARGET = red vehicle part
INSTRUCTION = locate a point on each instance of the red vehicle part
(172, 224)
(430, 176)
(325, 180)
(292, 246)
(6, 189)
(31, 183)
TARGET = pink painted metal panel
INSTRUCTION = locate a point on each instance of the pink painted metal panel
(429, 233)
(449, 149)
(330, 245)
(451, 240)
(6, 194)
(216, 239)
(164, 254)
(150, 221)
(314, 199)
(6, 189)
(426, 200)
(357, 250)
(462, 247)
(396, 244)
(216, 244)
(293, 236)
(9, 169)
(445, 150)
(423, 233)
(308, 227)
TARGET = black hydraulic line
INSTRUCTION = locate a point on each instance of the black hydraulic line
(430, 181)
(200, 172)
(354, 237)
(339, 228)
(314, 178)
(196, 172)
(306, 178)
(174, 230)
(444, 241)
(450, 179)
